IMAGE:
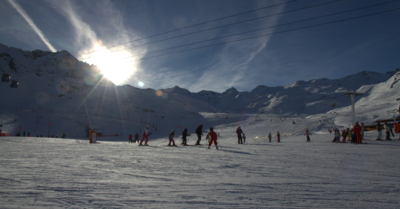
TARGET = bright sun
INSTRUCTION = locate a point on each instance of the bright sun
(113, 65)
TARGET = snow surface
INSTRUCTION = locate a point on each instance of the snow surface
(69, 173)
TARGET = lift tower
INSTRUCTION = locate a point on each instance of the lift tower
(353, 94)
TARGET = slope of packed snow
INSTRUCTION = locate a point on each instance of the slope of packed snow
(67, 173)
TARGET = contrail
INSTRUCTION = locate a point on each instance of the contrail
(32, 24)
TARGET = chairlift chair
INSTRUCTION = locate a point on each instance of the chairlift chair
(14, 84)
(6, 77)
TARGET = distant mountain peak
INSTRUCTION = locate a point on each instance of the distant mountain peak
(230, 90)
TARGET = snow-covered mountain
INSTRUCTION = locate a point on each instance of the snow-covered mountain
(52, 87)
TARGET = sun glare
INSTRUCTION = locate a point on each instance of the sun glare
(113, 65)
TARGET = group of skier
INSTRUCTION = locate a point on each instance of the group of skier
(355, 135)
(212, 136)
(27, 134)
(388, 131)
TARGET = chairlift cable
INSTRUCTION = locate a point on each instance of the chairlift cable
(197, 24)
(253, 37)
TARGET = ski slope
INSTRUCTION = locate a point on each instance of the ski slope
(68, 173)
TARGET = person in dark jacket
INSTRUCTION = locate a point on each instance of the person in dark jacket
(199, 132)
(353, 137)
(184, 135)
(239, 133)
(136, 138)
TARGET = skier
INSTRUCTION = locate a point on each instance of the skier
(146, 135)
(348, 135)
(344, 135)
(269, 137)
(171, 138)
(357, 130)
(213, 137)
(130, 138)
(353, 137)
(387, 130)
(279, 137)
(379, 129)
(184, 135)
(244, 138)
(199, 132)
(308, 135)
(337, 135)
(136, 138)
(239, 133)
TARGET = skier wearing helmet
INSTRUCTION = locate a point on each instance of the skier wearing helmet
(213, 136)
(171, 138)
(146, 135)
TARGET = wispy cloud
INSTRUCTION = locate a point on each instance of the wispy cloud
(233, 68)
(22, 12)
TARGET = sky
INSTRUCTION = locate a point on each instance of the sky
(121, 37)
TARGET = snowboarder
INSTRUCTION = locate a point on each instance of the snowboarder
(308, 135)
(136, 138)
(239, 133)
(171, 138)
(279, 137)
(130, 138)
(379, 129)
(146, 135)
(213, 137)
(357, 130)
(199, 132)
(269, 137)
(184, 135)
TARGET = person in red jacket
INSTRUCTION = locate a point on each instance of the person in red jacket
(130, 138)
(357, 131)
(213, 136)
(279, 137)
